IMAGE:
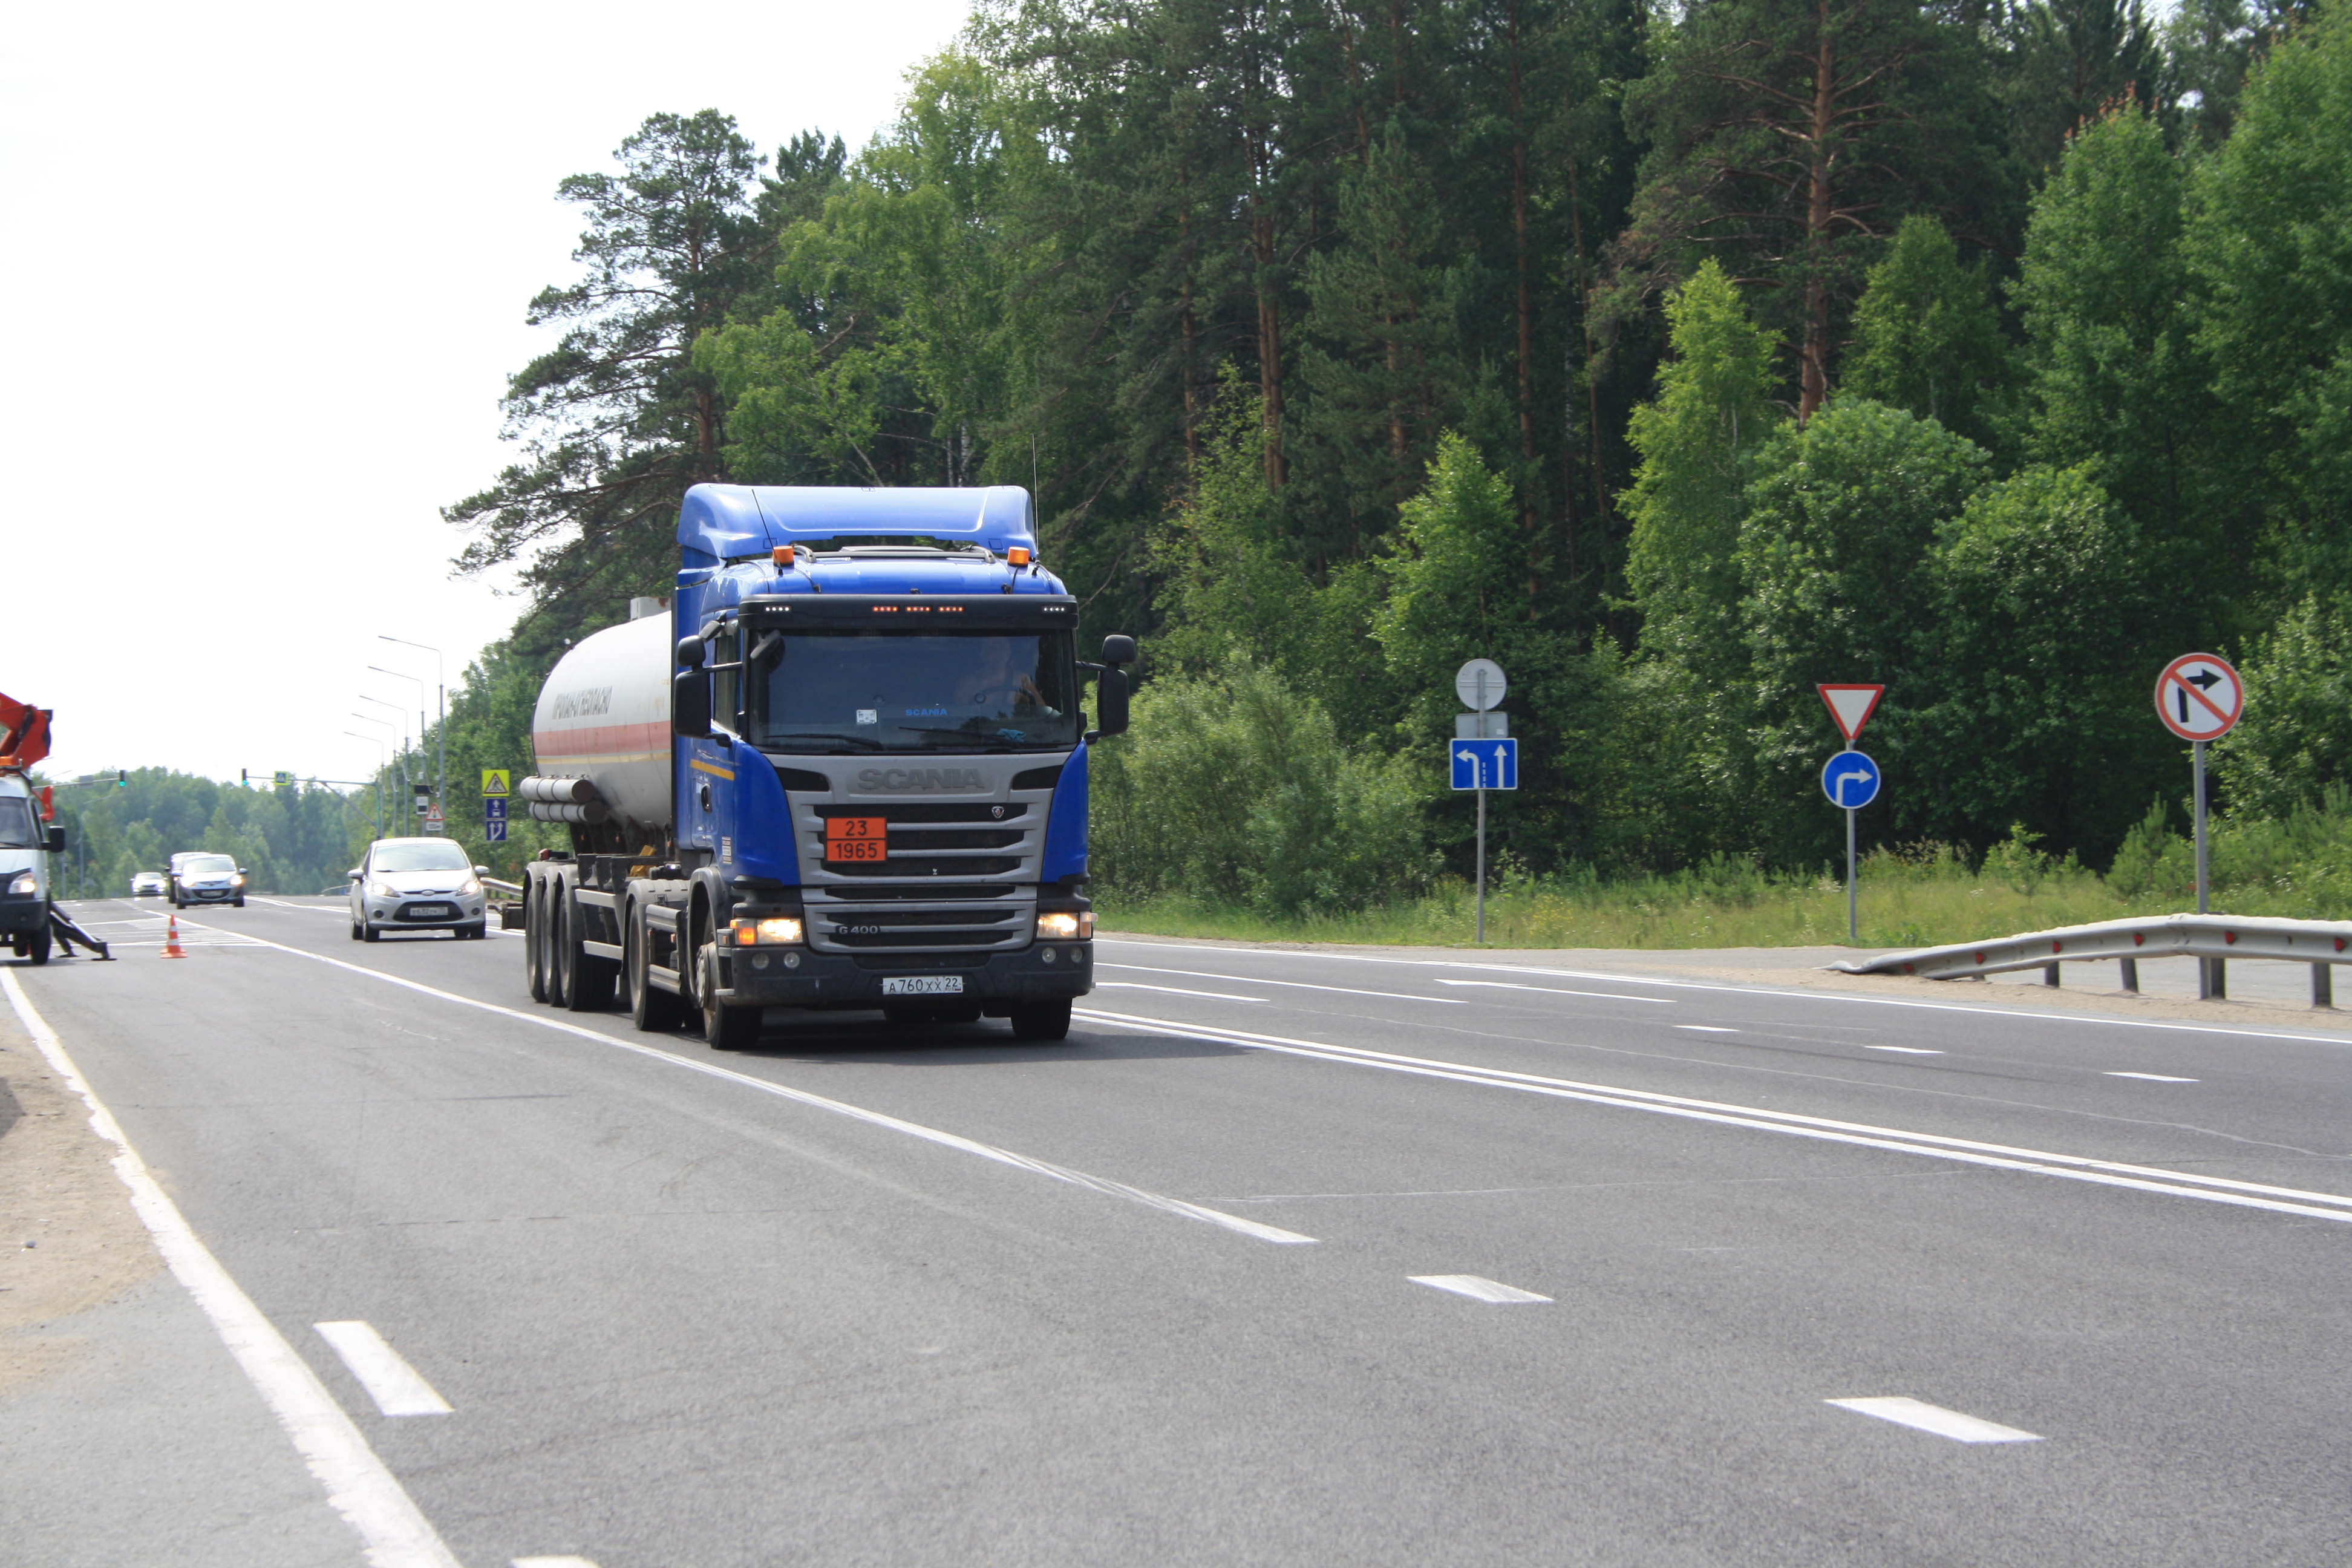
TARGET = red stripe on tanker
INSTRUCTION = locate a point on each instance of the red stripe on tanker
(604, 715)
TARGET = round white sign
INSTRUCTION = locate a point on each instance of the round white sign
(1480, 684)
(2200, 697)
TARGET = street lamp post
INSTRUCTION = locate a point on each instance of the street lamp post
(441, 699)
(402, 730)
(422, 757)
(372, 741)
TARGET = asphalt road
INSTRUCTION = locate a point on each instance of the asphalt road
(1160, 1294)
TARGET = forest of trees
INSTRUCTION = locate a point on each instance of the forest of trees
(1678, 358)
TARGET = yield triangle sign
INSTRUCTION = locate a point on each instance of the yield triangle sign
(1851, 706)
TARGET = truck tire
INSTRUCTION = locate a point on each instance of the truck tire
(534, 934)
(726, 1028)
(37, 945)
(587, 979)
(1041, 1020)
(653, 1010)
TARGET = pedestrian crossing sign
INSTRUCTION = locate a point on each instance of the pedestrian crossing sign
(494, 784)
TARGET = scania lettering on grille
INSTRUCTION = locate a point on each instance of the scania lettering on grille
(896, 780)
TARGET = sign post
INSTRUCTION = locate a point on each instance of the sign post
(1850, 779)
(1490, 762)
(2201, 698)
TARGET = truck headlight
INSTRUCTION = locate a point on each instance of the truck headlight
(776, 931)
(1067, 925)
(24, 885)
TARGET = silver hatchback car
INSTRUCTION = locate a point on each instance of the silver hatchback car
(416, 884)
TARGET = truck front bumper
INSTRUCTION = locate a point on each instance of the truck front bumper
(802, 977)
(23, 914)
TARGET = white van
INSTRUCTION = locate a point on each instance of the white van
(25, 846)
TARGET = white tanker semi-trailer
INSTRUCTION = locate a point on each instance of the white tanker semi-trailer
(847, 771)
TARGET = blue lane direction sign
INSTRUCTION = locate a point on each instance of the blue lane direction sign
(494, 809)
(1486, 764)
(495, 830)
(1849, 780)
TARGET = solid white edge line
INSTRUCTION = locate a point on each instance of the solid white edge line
(1492, 1291)
(359, 1485)
(2306, 1037)
(1996, 1156)
(398, 1388)
(1925, 1418)
(1293, 984)
(1103, 1184)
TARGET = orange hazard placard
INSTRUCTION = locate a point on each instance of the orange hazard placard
(856, 838)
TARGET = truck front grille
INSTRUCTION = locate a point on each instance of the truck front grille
(959, 875)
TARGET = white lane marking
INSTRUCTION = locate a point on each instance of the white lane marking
(1478, 1290)
(2306, 1037)
(1557, 991)
(2149, 1077)
(359, 1486)
(1076, 1178)
(391, 1382)
(1175, 991)
(1707, 1029)
(1294, 985)
(1905, 1050)
(1995, 1156)
(1935, 1418)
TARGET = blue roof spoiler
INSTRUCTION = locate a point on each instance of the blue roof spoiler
(730, 523)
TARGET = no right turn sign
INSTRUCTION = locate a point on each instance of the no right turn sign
(2200, 697)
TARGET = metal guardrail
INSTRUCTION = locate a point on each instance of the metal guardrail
(514, 887)
(2210, 939)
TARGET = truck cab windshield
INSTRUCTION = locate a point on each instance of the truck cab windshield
(17, 829)
(859, 691)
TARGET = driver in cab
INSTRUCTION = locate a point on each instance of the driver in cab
(995, 680)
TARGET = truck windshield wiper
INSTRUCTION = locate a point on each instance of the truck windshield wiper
(822, 736)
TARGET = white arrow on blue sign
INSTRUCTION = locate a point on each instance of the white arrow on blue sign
(1486, 764)
(495, 830)
(1849, 780)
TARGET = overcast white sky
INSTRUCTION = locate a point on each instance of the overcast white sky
(264, 271)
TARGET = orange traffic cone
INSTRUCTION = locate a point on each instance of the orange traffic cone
(171, 948)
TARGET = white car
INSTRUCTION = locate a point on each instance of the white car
(147, 885)
(198, 878)
(416, 884)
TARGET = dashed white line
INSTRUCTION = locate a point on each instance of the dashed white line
(357, 1485)
(1708, 1028)
(1966, 1150)
(2149, 1077)
(1476, 1289)
(1559, 991)
(1173, 990)
(1935, 1418)
(391, 1382)
(1905, 1050)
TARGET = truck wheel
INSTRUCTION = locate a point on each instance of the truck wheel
(552, 936)
(37, 946)
(727, 1028)
(1041, 1020)
(534, 936)
(653, 1010)
(587, 979)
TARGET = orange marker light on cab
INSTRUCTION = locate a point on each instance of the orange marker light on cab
(1018, 555)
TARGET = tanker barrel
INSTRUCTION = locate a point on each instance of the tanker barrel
(588, 814)
(557, 791)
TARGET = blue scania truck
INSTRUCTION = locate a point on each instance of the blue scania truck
(845, 770)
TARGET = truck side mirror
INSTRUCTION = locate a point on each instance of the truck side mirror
(56, 840)
(689, 654)
(1110, 702)
(689, 704)
(1118, 649)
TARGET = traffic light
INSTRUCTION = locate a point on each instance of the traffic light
(123, 778)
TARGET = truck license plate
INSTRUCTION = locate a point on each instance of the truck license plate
(923, 985)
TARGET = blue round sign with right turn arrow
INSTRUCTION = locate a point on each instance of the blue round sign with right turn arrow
(1850, 779)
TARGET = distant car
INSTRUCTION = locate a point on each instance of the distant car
(337, 892)
(147, 885)
(416, 884)
(199, 877)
